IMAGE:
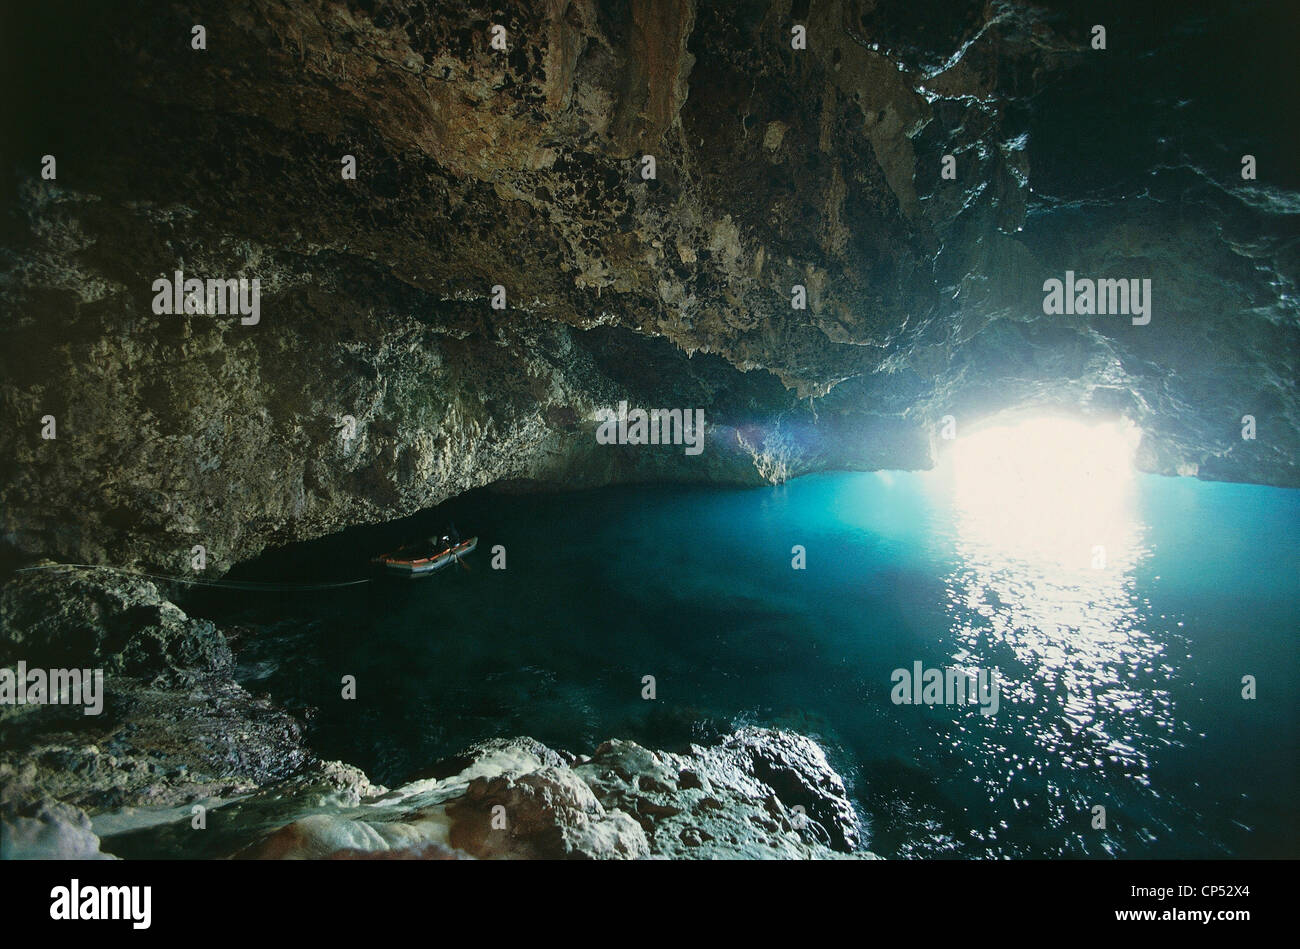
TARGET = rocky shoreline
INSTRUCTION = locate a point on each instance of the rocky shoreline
(177, 731)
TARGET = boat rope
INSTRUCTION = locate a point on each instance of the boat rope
(199, 581)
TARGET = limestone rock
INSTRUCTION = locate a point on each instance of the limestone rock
(757, 794)
(175, 727)
(478, 167)
(47, 830)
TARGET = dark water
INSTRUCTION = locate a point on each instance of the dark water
(1121, 686)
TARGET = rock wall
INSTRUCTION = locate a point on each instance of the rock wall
(522, 168)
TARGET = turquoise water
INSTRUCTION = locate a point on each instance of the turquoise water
(1121, 686)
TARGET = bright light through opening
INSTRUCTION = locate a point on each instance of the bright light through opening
(1048, 540)
(1047, 490)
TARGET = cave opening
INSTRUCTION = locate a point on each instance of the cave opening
(1057, 488)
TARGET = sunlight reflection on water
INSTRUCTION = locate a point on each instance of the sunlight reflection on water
(1048, 539)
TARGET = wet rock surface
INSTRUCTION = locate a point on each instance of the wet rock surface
(757, 793)
(518, 799)
(47, 830)
(175, 728)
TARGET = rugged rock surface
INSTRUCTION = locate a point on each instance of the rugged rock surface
(759, 794)
(521, 168)
(175, 728)
(47, 830)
